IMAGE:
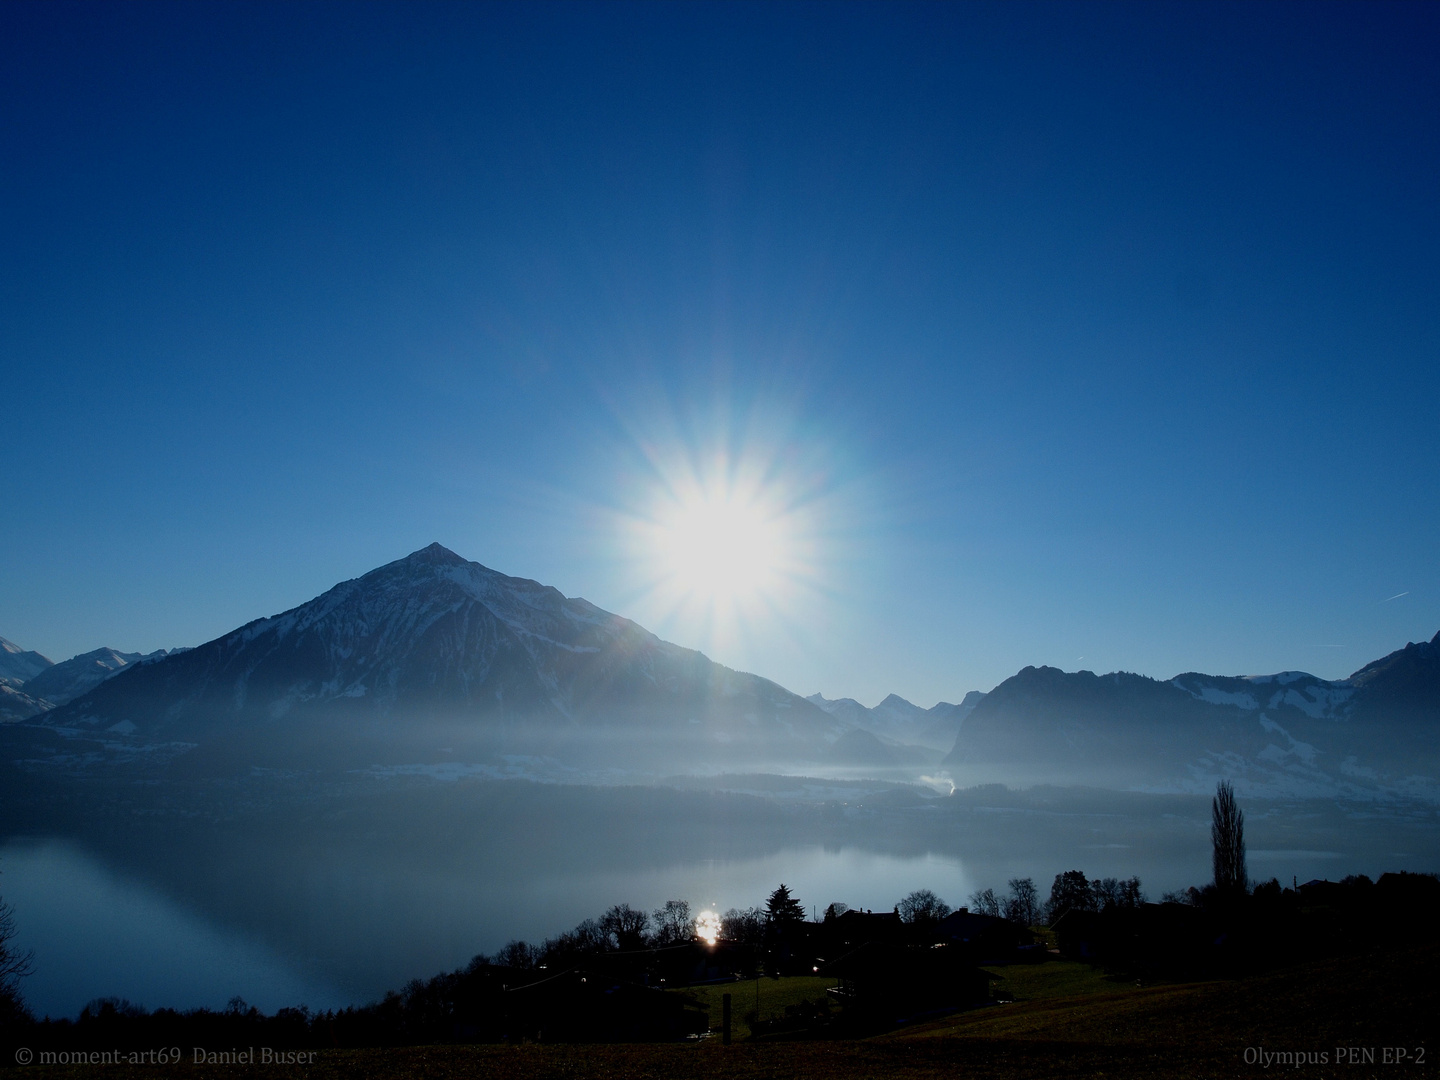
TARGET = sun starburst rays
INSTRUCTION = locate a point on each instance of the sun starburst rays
(726, 547)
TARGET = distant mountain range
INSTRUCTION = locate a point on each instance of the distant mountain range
(32, 684)
(18, 664)
(67, 680)
(897, 721)
(1286, 732)
(433, 658)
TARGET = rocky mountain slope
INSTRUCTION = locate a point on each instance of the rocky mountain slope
(19, 664)
(16, 704)
(64, 682)
(433, 641)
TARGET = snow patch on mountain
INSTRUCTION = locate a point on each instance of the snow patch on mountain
(20, 664)
(434, 639)
(17, 705)
(1319, 699)
(67, 680)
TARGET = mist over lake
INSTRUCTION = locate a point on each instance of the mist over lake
(434, 759)
(330, 890)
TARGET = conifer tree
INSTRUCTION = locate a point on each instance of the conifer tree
(783, 908)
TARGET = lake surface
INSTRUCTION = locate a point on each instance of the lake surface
(96, 934)
(333, 900)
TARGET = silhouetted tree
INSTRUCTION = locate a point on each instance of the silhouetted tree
(1116, 893)
(985, 902)
(835, 910)
(1227, 835)
(1023, 904)
(1131, 894)
(1104, 892)
(590, 937)
(626, 926)
(743, 926)
(782, 908)
(14, 966)
(673, 923)
(587, 939)
(516, 954)
(922, 907)
(1070, 891)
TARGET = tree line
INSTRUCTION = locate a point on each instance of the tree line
(1260, 924)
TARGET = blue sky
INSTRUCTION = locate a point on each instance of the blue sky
(1096, 336)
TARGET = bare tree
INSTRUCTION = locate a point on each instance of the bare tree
(985, 902)
(673, 923)
(743, 926)
(1110, 893)
(1105, 892)
(1227, 834)
(1131, 894)
(1023, 904)
(14, 965)
(590, 937)
(587, 939)
(922, 907)
(516, 954)
(626, 926)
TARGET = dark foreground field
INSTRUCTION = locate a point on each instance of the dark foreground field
(1370, 1014)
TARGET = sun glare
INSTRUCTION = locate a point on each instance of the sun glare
(719, 548)
(707, 927)
(729, 538)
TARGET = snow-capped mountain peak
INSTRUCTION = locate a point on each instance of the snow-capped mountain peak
(20, 664)
(433, 636)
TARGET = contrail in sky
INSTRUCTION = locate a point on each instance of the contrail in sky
(1395, 597)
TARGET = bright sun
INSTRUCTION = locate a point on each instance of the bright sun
(707, 927)
(720, 547)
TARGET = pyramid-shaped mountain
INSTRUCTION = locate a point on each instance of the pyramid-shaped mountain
(435, 639)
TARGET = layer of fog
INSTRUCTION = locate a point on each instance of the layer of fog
(330, 888)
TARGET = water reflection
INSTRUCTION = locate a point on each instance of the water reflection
(338, 897)
(95, 934)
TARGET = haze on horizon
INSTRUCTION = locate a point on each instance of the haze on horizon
(951, 339)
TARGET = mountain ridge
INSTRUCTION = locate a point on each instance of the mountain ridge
(434, 638)
(20, 664)
(63, 682)
(1290, 730)
(433, 641)
(897, 721)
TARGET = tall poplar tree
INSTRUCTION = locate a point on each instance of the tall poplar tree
(1227, 834)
